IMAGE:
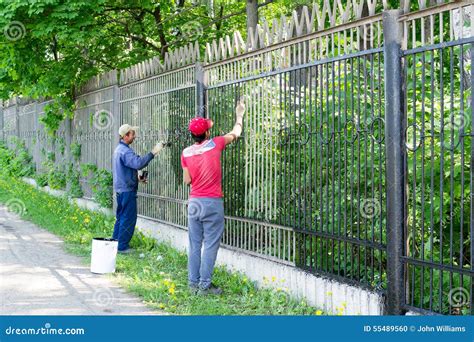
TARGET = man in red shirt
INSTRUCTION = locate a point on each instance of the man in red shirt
(201, 164)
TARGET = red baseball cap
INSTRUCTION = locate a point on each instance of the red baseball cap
(198, 126)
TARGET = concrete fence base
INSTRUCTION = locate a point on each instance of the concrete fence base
(327, 294)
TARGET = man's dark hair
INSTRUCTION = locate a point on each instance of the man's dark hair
(199, 138)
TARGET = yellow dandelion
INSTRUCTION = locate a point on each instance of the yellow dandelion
(318, 312)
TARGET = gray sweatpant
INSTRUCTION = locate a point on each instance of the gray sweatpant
(206, 225)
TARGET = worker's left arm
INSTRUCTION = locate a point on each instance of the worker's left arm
(186, 174)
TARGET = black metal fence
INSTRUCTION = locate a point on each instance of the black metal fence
(315, 144)
(355, 161)
(439, 159)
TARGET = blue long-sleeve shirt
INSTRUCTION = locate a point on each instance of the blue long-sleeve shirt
(125, 165)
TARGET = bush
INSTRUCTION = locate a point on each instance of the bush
(17, 162)
(73, 182)
(102, 187)
(56, 176)
(101, 183)
(41, 179)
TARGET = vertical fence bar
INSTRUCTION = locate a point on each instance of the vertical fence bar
(116, 122)
(200, 90)
(395, 172)
(67, 137)
(17, 118)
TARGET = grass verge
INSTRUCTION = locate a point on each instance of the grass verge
(156, 272)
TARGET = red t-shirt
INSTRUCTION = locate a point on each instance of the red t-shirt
(204, 164)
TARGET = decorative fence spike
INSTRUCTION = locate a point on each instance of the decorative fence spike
(182, 56)
(299, 23)
(264, 35)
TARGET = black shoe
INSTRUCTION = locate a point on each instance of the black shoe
(126, 251)
(210, 290)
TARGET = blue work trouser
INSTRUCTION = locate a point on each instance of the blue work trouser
(126, 218)
(206, 225)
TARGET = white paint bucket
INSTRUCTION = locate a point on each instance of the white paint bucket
(104, 255)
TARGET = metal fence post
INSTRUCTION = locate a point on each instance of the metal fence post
(39, 142)
(395, 169)
(116, 121)
(17, 118)
(68, 140)
(200, 90)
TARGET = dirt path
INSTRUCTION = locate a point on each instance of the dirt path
(37, 277)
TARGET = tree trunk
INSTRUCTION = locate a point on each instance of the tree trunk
(210, 6)
(161, 31)
(252, 14)
(365, 42)
(298, 79)
(219, 22)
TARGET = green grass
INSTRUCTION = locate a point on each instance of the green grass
(156, 272)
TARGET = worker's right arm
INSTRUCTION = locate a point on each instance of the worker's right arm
(134, 161)
(237, 130)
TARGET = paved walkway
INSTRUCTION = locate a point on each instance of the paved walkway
(37, 277)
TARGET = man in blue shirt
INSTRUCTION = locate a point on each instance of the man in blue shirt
(125, 176)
